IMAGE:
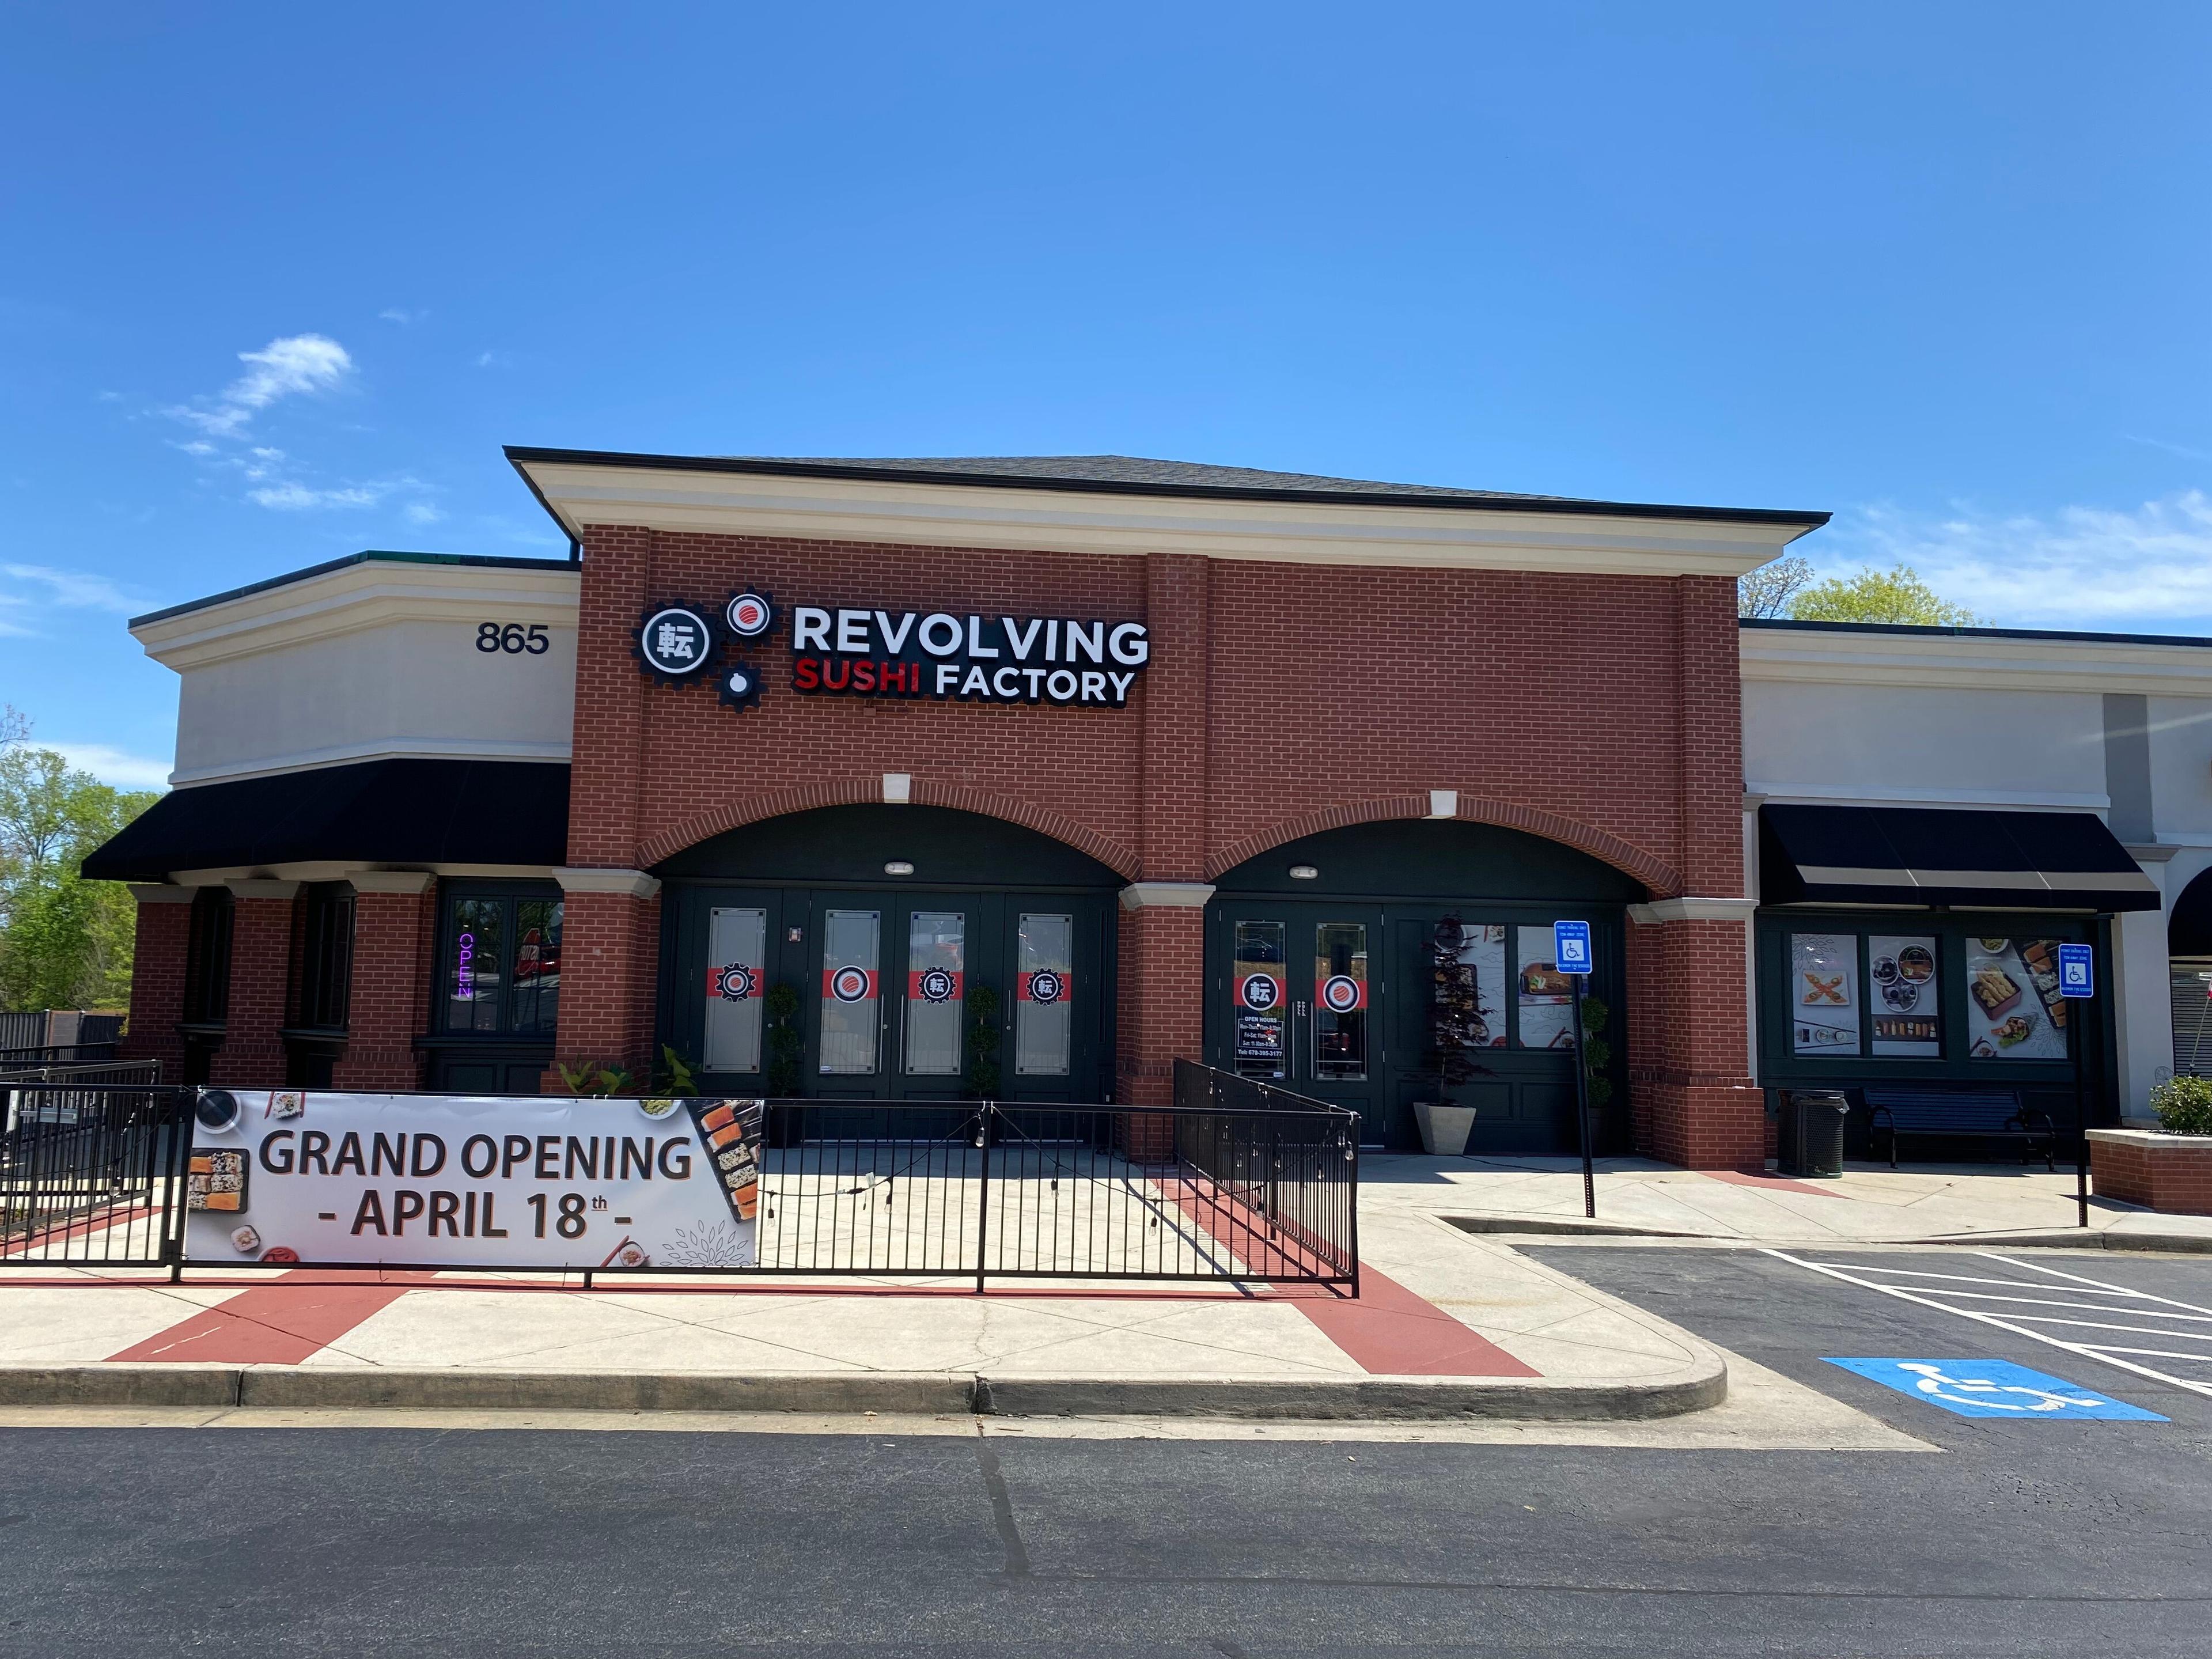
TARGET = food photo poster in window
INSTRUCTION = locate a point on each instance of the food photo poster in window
(2013, 1008)
(1483, 949)
(1824, 994)
(1546, 995)
(1907, 996)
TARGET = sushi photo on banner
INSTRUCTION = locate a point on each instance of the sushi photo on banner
(290, 1176)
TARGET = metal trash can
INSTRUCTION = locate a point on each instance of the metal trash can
(1810, 1139)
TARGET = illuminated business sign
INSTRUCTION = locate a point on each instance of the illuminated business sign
(970, 658)
(846, 651)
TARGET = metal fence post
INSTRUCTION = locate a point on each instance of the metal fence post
(983, 1203)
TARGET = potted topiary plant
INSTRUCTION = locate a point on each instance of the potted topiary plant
(1456, 1029)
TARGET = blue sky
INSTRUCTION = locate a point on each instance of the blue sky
(280, 279)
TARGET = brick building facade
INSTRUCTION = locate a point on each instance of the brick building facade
(1325, 659)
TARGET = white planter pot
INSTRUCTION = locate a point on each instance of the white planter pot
(1444, 1130)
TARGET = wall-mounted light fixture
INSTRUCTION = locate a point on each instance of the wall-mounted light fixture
(1304, 872)
(898, 867)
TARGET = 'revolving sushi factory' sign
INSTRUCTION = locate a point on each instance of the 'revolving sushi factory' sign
(462, 1181)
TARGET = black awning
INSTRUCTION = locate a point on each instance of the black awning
(384, 811)
(1948, 856)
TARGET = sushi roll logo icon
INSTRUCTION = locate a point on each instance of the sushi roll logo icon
(936, 986)
(750, 615)
(1342, 993)
(735, 982)
(850, 984)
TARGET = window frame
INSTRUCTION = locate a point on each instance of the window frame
(2087, 1044)
(206, 1004)
(326, 985)
(508, 895)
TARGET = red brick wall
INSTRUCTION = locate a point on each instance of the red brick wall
(261, 957)
(1600, 710)
(1690, 1100)
(157, 987)
(389, 1006)
(2177, 1179)
(610, 960)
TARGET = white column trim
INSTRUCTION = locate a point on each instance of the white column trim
(161, 892)
(634, 884)
(405, 882)
(250, 889)
(1693, 909)
(1166, 895)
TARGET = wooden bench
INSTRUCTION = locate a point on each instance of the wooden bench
(1959, 1115)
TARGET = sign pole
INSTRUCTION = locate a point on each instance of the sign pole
(2077, 984)
(2080, 1157)
(1581, 1109)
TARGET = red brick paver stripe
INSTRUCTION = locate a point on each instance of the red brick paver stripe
(1388, 1331)
(278, 1324)
(1781, 1183)
(1391, 1332)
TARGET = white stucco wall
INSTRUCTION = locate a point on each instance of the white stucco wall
(1871, 742)
(1944, 719)
(375, 660)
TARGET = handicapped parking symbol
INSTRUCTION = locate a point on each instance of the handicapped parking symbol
(1995, 1388)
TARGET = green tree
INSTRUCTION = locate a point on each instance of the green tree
(1898, 595)
(1767, 591)
(64, 942)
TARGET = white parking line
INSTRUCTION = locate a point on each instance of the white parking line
(2021, 1324)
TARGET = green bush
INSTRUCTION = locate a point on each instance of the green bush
(2183, 1105)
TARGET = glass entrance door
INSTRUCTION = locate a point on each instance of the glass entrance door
(1303, 994)
(901, 994)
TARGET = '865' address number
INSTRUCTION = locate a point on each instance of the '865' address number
(513, 638)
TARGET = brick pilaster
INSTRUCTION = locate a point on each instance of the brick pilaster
(1161, 997)
(157, 977)
(394, 933)
(609, 953)
(1690, 1101)
(252, 1053)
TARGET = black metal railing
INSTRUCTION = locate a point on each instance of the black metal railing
(90, 1173)
(1281, 1169)
(997, 1190)
(57, 1054)
(80, 1073)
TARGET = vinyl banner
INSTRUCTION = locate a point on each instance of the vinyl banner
(472, 1181)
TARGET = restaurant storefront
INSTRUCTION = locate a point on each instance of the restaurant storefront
(1025, 778)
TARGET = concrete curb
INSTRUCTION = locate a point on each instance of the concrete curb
(2075, 1239)
(1703, 1383)
(2071, 1238)
(1537, 1226)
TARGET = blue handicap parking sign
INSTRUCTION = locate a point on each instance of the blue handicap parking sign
(2077, 972)
(1995, 1388)
(1571, 947)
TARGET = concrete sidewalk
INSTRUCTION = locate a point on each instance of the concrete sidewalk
(1447, 1326)
(1869, 1204)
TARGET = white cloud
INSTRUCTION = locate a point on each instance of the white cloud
(75, 588)
(299, 498)
(114, 766)
(27, 591)
(294, 365)
(421, 513)
(401, 315)
(2145, 569)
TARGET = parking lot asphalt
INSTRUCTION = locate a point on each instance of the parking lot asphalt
(2079, 1538)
